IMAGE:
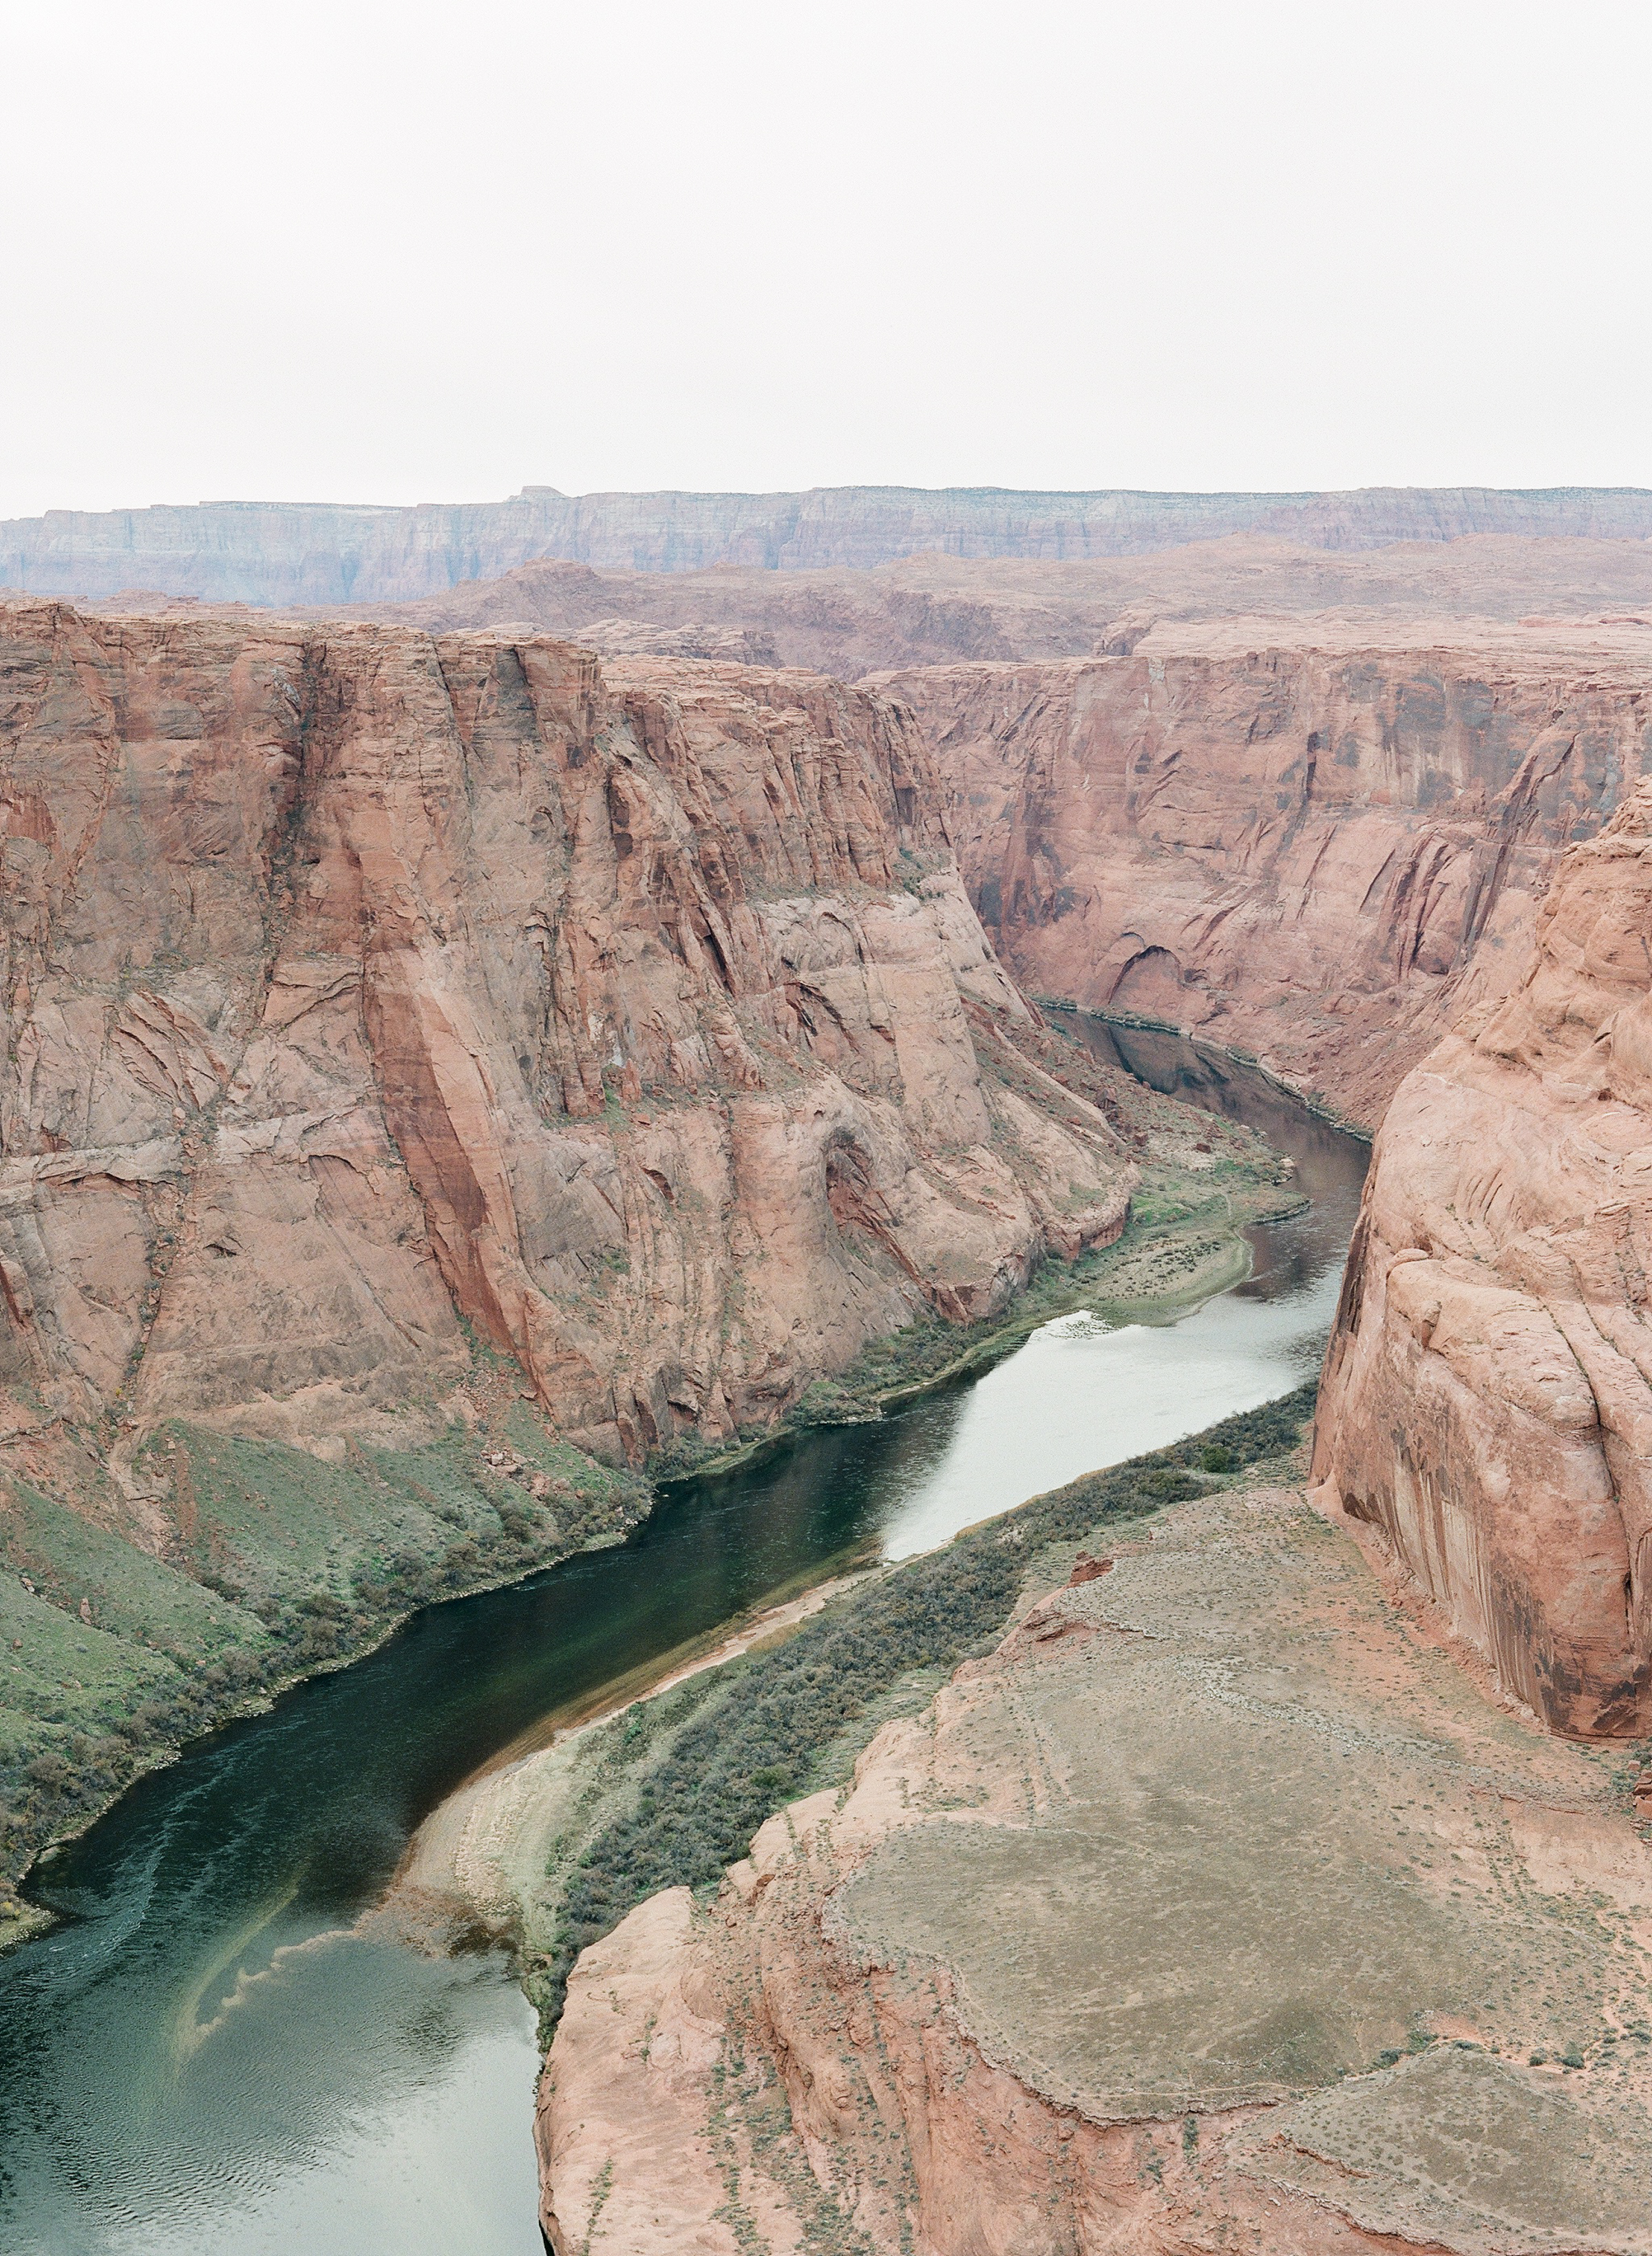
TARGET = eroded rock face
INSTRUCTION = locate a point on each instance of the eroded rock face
(1487, 1398)
(1315, 843)
(362, 986)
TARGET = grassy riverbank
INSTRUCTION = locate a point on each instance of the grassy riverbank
(1313, 1100)
(1184, 1242)
(112, 1659)
(671, 1792)
(287, 1565)
(1203, 1180)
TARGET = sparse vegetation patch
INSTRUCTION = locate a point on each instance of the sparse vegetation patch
(691, 1781)
(284, 1564)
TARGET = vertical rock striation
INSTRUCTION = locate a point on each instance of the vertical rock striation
(362, 986)
(1308, 841)
(1487, 1396)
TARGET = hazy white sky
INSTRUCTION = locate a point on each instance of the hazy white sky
(427, 250)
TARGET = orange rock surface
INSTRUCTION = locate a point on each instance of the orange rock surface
(1488, 1397)
(362, 985)
(1313, 841)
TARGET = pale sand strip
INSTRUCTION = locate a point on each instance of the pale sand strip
(480, 1854)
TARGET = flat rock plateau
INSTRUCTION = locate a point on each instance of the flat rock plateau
(1216, 1907)
(275, 553)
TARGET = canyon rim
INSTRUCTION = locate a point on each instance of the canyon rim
(506, 1005)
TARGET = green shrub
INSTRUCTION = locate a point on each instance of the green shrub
(749, 1750)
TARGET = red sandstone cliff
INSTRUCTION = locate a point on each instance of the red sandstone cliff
(360, 985)
(1488, 1397)
(1315, 842)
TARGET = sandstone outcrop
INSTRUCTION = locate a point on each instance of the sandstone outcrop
(321, 553)
(1488, 1397)
(362, 987)
(1315, 843)
(1281, 1956)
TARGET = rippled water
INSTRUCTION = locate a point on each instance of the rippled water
(206, 2057)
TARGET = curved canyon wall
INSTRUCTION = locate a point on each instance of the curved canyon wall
(1311, 843)
(322, 552)
(1488, 1397)
(367, 993)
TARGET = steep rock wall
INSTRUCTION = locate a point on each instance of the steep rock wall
(1314, 845)
(362, 986)
(1487, 1396)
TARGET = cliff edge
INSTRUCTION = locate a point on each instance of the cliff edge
(363, 985)
(438, 1073)
(1213, 1909)
(1487, 1395)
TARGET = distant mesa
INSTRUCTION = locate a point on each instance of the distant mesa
(324, 553)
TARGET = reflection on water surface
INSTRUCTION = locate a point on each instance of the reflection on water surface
(206, 2057)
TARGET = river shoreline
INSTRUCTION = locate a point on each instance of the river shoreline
(244, 1980)
(443, 1878)
(478, 1863)
(21, 1920)
(1211, 1238)
(513, 1853)
(475, 1853)
(1223, 1260)
(1316, 1105)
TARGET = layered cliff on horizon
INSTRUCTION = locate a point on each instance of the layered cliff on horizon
(277, 553)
